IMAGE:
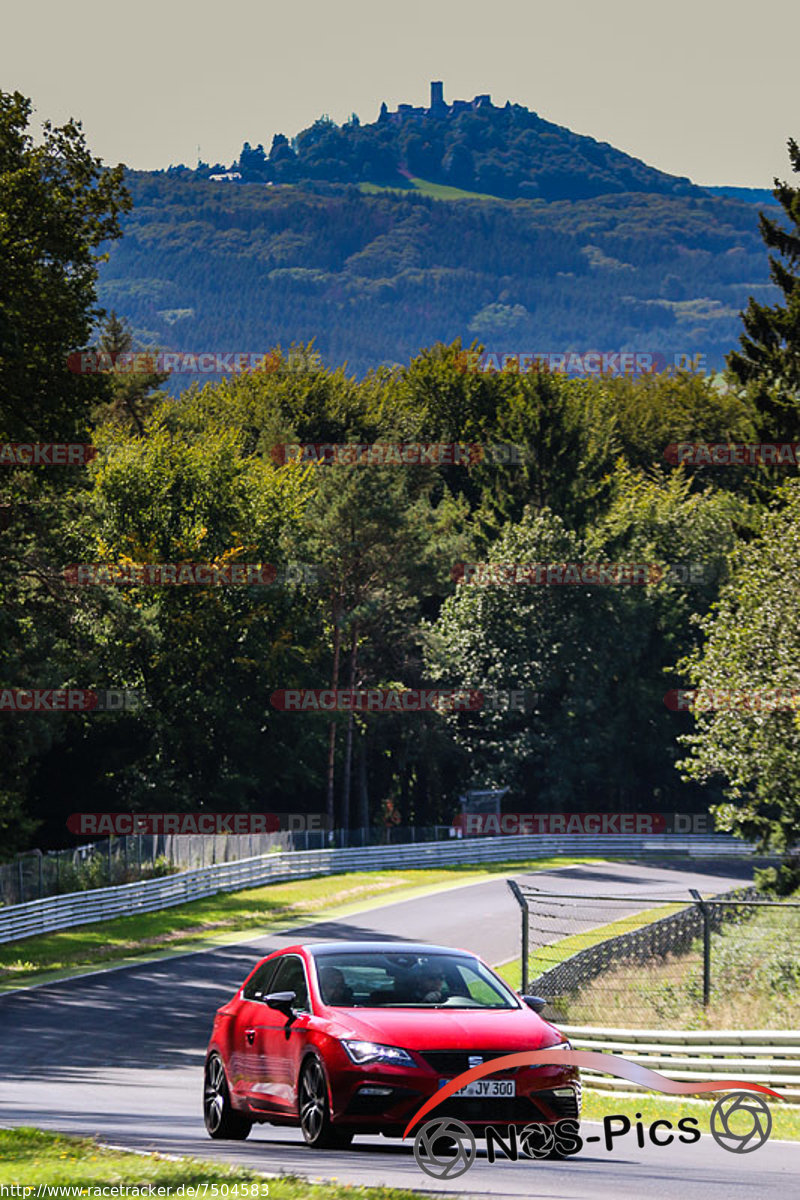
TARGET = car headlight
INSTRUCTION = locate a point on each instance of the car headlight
(367, 1052)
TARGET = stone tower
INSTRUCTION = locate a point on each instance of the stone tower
(437, 96)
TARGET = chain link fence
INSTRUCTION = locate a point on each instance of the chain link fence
(726, 962)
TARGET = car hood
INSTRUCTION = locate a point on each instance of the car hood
(447, 1029)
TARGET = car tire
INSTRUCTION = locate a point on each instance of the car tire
(314, 1110)
(221, 1118)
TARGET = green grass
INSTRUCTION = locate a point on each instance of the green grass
(549, 956)
(441, 191)
(228, 915)
(437, 191)
(29, 1157)
(375, 189)
(598, 1104)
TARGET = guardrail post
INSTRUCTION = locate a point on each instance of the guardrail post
(521, 901)
(706, 945)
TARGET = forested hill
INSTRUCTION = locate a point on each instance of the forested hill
(375, 277)
(508, 152)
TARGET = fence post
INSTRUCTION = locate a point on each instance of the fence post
(521, 901)
(706, 945)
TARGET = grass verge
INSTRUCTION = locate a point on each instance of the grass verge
(598, 1104)
(227, 916)
(31, 1157)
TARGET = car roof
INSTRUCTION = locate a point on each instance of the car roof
(320, 949)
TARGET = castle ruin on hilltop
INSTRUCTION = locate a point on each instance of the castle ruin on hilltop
(437, 107)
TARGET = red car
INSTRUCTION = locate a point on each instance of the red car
(352, 1037)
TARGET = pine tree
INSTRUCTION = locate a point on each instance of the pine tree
(769, 361)
(133, 394)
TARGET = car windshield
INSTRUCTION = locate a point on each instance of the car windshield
(370, 979)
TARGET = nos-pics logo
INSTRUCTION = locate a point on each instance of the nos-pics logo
(445, 1147)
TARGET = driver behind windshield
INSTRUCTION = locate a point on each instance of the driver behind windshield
(334, 988)
(431, 986)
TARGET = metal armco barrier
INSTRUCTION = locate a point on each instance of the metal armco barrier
(767, 1056)
(148, 895)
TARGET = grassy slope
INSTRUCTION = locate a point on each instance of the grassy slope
(438, 191)
(229, 915)
(30, 1157)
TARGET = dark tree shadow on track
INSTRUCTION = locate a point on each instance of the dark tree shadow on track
(145, 1015)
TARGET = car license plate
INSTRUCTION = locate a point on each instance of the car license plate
(489, 1088)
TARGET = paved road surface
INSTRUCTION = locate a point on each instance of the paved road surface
(120, 1055)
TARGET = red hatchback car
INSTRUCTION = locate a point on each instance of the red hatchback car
(353, 1037)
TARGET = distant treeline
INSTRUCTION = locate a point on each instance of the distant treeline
(373, 278)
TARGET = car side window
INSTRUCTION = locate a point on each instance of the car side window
(259, 984)
(291, 977)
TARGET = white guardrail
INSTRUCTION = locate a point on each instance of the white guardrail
(767, 1056)
(147, 895)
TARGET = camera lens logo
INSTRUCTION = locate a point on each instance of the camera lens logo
(444, 1148)
(537, 1141)
(741, 1122)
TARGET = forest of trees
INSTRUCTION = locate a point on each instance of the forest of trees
(372, 278)
(193, 478)
(508, 152)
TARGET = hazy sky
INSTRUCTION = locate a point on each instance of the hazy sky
(704, 88)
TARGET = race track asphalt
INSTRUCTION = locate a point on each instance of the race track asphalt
(119, 1055)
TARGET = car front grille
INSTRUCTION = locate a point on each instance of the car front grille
(453, 1062)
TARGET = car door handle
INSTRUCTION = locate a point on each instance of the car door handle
(250, 1035)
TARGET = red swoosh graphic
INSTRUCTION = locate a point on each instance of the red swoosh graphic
(611, 1064)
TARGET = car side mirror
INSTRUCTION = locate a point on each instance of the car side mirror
(283, 1001)
(535, 1002)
